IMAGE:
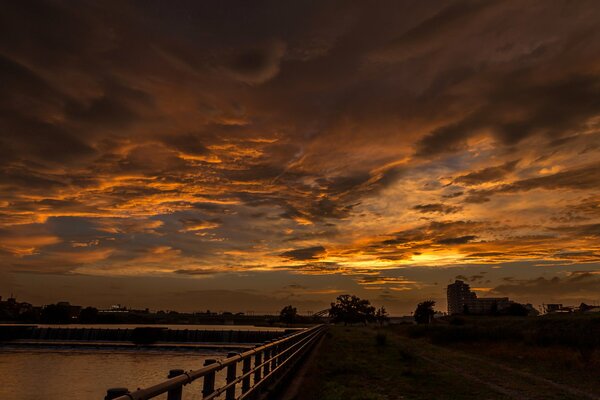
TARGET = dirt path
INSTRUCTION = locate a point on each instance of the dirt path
(500, 378)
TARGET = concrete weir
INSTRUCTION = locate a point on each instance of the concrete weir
(31, 335)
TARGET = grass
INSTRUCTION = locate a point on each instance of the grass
(355, 363)
(485, 358)
(562, 348)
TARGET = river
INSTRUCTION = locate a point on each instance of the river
(76, 373)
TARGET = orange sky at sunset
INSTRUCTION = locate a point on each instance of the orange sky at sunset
(251, 155)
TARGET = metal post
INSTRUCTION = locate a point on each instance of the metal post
(113, 393)
(257, 362)
(281, 357)
(231, 375)
(274, 356)
(246, 366)
(267, 368)
(208, 385)
(175, 394)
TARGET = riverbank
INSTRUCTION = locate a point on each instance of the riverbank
(387, 363)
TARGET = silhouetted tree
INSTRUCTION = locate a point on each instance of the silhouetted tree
(381, 315)
(88, 315)
(288, 314)
(424, 312)
(351, 309)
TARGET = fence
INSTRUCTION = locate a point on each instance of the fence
(261, 365)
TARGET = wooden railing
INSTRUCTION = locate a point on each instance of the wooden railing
(260, 366)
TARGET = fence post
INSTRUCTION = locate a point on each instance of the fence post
(246, 366)
(281, 357)
(257, 368)
(231, 375)
(267, 368)
(208, 386)
(113, 393)
(175, 394)
(274, 357)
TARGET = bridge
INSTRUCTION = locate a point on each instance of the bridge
(262, 368)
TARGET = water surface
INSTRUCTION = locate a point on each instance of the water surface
(51, 374)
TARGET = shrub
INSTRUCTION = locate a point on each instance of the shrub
(458, 321)
(381, 339)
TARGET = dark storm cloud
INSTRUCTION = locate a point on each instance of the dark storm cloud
(309, 253)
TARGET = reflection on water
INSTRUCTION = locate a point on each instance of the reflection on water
(44, 374)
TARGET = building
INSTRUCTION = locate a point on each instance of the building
(459, 294)
(589, 308)
(12, 309)
(71, 310)
(462, 300)
(556, 308)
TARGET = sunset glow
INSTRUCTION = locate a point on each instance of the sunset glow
(174, 156)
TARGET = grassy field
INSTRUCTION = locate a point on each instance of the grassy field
(469, 359)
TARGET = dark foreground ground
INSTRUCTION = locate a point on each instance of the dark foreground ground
(477, 360)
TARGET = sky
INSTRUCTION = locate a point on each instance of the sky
(242, 156)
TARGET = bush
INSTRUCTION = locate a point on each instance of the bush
(381, 339)
(580, 333)
(458, 321)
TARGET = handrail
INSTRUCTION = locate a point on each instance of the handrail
(221, 390)
(277, 354)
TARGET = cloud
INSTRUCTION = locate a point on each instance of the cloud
(576, 285)
(308, 253)
(457, 240)
(489, 174)
(194, 225)
(198, 271)
(436, 208)
(315, 139)
(257, 65)
(553, 109)
(583, 178)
